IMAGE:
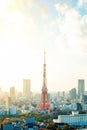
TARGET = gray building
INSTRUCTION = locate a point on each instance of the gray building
(81, 87)
(72, 93)
(84, 102)
(84, 99)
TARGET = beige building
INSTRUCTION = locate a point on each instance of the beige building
(8, 102)
(12, 92)
(26, 87)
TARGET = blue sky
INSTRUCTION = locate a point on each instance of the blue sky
(29, 26)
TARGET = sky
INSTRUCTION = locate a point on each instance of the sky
(29, 26)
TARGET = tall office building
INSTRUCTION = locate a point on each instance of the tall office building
(81, 87)
(84, 102)
(26, 87)
(84, 99)
(72, 93)
(12, 92)
(8, 102)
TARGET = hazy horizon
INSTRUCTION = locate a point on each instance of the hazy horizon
(29, 26)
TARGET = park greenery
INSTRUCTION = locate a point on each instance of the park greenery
(39, 117)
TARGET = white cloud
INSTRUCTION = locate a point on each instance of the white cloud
(61, 8)
(72, 27)
(81, 2)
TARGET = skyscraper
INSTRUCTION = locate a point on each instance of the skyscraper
(84, 102)
(72, 93)
(26, 87)
(81, 87)
(12, 92)
(44, 103)
(8, 101)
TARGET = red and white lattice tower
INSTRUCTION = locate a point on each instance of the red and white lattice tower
(44, 103)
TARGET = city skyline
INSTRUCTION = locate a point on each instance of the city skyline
(27, 27)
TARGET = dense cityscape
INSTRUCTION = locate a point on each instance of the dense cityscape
(41, 111)
(43, 46)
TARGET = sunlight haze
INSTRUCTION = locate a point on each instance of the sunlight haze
(29, 26)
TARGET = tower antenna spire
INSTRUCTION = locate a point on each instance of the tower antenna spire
(44, 56)
(44, 103)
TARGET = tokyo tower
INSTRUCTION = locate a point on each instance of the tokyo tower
(44, 103)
